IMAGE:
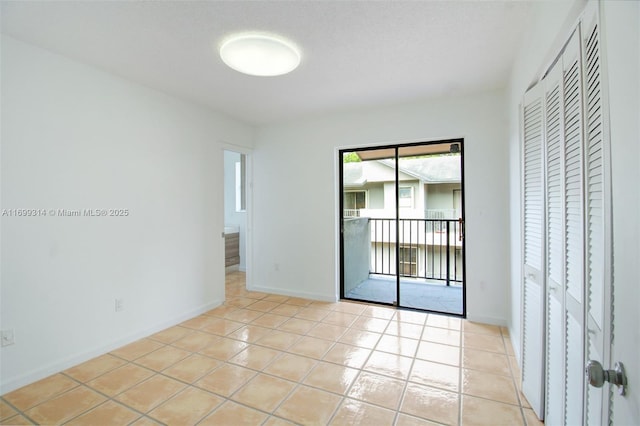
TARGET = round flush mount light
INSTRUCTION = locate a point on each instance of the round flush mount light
(260, 54)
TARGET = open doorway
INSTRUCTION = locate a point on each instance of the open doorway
(235, 211)
(402, 226)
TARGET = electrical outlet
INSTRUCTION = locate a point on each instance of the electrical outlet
(8, 337)
(119, 305)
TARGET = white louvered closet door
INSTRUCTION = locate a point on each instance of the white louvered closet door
(555, 242)
(533, 225)
(597, 220)
(567, 224)
(573, 231)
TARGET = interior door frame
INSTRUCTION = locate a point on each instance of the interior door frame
(533, 374)
(396, 147)
(248, 252)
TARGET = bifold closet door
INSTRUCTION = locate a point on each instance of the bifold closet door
(565, 330)
(555, 243)
(597, 219)
(565, 114)
(572, 92)
(533, 250)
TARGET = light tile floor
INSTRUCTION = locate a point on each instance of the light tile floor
(274, 360)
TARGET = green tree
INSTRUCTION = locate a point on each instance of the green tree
(350, 157)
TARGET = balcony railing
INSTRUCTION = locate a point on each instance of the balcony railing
(351, 213)
(413, 213)
(442, 214)
(427, 248)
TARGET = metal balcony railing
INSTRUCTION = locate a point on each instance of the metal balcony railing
(442, 214)
(351, 213)
(427, 248)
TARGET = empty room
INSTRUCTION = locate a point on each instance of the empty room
(320, 212)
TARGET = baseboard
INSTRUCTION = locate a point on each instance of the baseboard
(516, 345)
(487, 320)
(73, 360)
(294, 293)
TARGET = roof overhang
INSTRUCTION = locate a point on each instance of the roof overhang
(406, 151)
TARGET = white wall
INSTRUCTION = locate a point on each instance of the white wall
(295, 187)
(231, 216)
(553, 23)
(74, 137)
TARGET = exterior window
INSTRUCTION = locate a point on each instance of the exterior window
(355, 200)
(405, 196)
(408, 261)
(457, 203)
(241, 184)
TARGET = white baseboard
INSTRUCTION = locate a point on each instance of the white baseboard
(68, 362)
(516, 346)
(487, 320)
(294, 293)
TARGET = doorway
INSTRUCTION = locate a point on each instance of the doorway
(402, 226)
(235, 211)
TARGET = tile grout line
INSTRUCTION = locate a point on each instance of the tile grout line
(112, 398)
(18, 411)
(360, 370)
(262, 371)
(156, 373)
(513, 381)
(192, 385)
(362, 313)
(406, 383)
(24, 413)
(413, 360)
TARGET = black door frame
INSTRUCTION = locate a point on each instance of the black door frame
(396, 148)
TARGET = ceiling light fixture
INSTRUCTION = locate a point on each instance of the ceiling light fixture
(260, 54)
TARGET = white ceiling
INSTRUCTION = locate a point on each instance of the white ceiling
(355, 53)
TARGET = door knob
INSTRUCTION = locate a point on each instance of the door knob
(598, 375)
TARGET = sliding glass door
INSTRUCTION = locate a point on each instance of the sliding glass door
(368, 225)
(402, 226)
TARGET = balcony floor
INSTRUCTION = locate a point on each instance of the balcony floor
(429, 295)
